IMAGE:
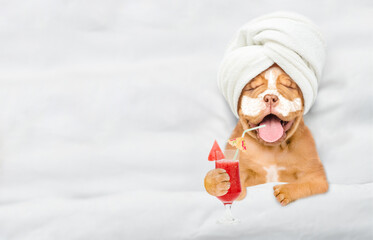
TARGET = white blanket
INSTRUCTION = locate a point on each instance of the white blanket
(109, 110)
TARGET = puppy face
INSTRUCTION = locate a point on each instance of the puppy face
(274, 99)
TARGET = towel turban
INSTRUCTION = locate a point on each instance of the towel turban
(288, 39)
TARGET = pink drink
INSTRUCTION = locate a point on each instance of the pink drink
(231, 166)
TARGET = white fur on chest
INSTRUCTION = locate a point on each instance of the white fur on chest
(272, 172)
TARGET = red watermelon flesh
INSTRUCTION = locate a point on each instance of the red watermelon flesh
(215, 153)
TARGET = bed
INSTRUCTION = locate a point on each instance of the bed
(109, 110)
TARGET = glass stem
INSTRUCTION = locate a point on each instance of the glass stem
(228, 212)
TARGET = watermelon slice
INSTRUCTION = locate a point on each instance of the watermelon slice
(215, 153)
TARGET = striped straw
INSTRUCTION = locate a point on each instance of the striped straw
(243, 134)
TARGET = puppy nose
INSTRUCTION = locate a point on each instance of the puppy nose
(270, 99)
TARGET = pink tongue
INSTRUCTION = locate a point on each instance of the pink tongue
(273, 130)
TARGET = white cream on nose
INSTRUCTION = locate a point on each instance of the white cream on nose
(253, 106)
(271, 78)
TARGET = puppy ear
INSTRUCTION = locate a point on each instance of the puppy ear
(239, 112)
(243, 121)
(241, 115)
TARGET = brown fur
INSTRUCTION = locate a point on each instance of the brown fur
(295, 153)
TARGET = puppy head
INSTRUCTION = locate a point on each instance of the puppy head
(274, 99)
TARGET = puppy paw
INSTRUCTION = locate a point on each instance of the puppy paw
(217, 182)
(283, 194)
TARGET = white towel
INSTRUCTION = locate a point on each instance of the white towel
(288, 39)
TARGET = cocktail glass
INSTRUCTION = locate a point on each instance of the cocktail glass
(231, 166)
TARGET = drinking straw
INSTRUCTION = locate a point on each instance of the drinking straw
(243, 134)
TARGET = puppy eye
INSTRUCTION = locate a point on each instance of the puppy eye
(288, 85)
(251, 88)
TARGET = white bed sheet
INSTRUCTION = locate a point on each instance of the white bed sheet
(109, 110)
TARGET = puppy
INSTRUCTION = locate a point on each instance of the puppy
(283, 151)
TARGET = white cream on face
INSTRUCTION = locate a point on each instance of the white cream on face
(271, 78)
(253, 106)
